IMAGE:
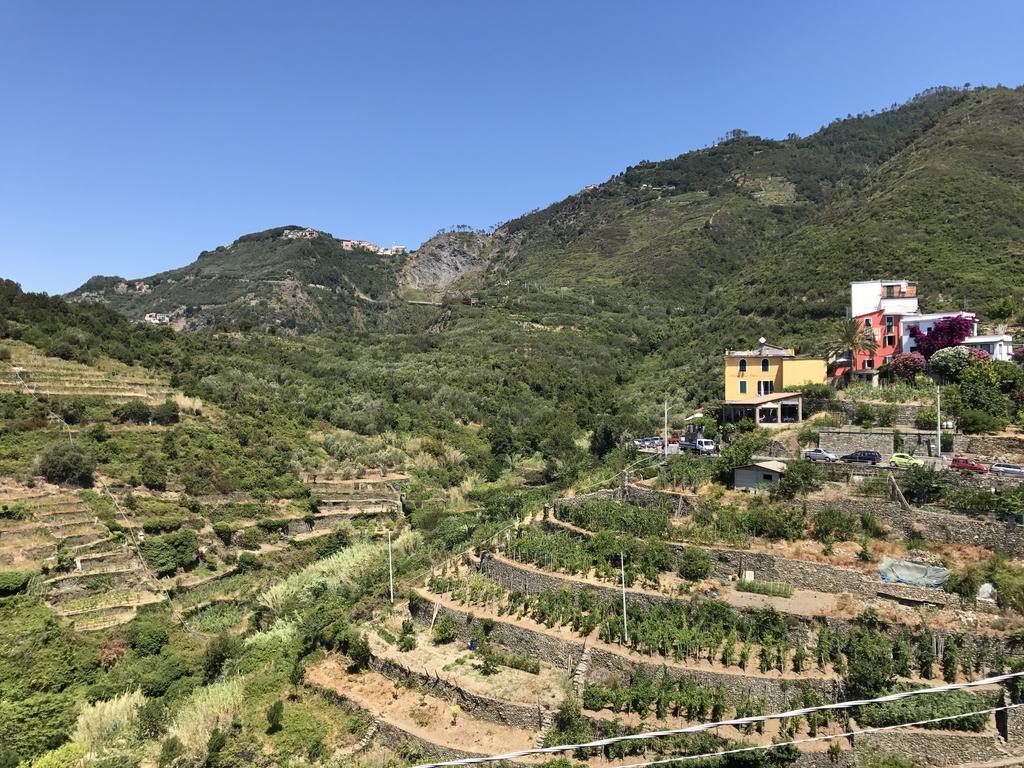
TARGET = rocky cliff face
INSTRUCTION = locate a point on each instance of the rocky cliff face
(445, 258)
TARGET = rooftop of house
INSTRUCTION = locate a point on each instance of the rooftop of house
(988, 339)
(765, 350)
(769, 465)
(917, 318)
(884, 282)
(762, 399)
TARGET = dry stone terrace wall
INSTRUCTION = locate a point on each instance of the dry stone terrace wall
(904, 413)
(842, 472)
(512, 577)
(557, 652)
(481, 707)
(1011, 722)
(939, 527)
(819, 577)
(936, 747)
(991, 447)
(604, 663)
(777, 693)
(396, 739)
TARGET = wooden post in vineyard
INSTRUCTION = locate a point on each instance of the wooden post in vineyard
(625, 624)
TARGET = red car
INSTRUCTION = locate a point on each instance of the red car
(967, 465)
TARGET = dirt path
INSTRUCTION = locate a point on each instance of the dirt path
(454, 663)
(422, 715)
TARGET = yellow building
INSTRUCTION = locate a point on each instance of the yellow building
(756, 381)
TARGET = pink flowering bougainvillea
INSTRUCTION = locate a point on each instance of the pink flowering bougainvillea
(947, 332)
(907, 365)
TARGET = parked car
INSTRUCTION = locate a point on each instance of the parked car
(1009, 470)
(904, 461)
(967, 465)
(862, 457)
(819, 454)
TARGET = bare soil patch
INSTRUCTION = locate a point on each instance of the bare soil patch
(420, 714)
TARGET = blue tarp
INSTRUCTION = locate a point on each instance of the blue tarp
(914, 574)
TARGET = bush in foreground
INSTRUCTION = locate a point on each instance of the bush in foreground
(66, 463)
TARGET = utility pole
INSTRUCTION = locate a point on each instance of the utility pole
(938, 420)
(665, 444)
(625, 624)
(391, 572)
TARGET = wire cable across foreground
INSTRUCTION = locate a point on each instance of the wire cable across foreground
(739, 721)
(823, 737)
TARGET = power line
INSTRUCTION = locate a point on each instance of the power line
(752, 720)
(825, 737)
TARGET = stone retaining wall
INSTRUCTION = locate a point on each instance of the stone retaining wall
(905, 413)
(938, 527)
(392, 737)
(1011, 722)
(603, 663)
(819, 577)
(325, 520)
(575, 501)
(558, 653)
(935, 747)
(475, 705)
(513, 577)
(778, 693)
(842, 441)
(991, 447)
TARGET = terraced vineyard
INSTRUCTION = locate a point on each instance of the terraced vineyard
(90, 575)
(29, 370)
(527, 643)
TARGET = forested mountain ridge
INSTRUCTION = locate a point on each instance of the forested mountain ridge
(288, 278)
(931, 189)
(716, 248)
(743, 210)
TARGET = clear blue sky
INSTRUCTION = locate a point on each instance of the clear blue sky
(136, 134)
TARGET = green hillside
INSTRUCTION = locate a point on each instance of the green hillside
(196, 521)
(273, 279)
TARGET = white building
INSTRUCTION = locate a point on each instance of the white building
(925, 323)
(998, 346)
(893, 297)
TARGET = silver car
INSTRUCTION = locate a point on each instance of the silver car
(817, 454)
(1010, 470)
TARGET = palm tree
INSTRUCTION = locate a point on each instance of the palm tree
(850, 338)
